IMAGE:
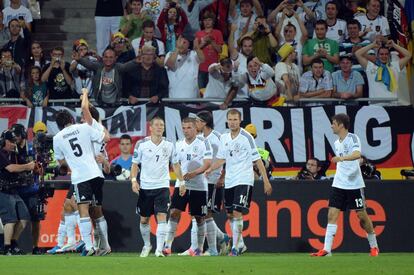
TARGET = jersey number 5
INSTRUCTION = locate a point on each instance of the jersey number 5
(77, 149)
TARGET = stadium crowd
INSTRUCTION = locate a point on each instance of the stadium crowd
(272, 53)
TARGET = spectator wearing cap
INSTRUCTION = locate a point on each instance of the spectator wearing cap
(287, 73)
(211, 42)
(171, 24)
(224, 81)
(347, 84)
(316, 83)
(131, 24)
(149, 39)
(39, 126)
(122, 47)
(182, 69)
(81, 75)
(147, 79)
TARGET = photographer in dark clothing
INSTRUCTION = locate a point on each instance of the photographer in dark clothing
(368, 170)
(13, 211)
(312, 171)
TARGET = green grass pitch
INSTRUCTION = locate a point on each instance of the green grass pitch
(250, 263)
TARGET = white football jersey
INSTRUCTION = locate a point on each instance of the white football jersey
(348, 173)
(337, 32)
(99, 147)
(74, 144)
(214, 139)
(379, 26)
(155, 163)
(192, 156)
(239, 153)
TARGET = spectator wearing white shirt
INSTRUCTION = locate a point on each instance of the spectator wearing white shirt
(245, 20)
(287, 72)
(182, 69)
(17, 11)
(336, 27)
(372, 22)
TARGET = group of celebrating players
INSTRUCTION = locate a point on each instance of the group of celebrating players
(202, 183)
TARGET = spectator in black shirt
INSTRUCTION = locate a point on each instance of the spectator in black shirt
(18, 45)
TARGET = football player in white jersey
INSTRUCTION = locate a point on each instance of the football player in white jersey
(238, 150)
(154, 154)
(73, 146)
(348, 186)
(192, 157)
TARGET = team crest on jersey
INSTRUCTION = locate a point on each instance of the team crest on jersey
(377, 28)
(195, 149)
(135, 154)
(340, 32)
(164, 151)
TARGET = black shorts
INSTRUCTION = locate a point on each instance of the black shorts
(215, 198)
(153, 201)
(197, 201)
(12, 208)
(347, 199)
(238, 198)
(32, 203)
(71, 192)
(90, 191)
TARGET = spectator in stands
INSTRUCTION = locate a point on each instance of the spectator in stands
(224, 82)
(383, 74)
(287, 73)
(131, 24)
(350, 45)
(148, 79)
(264, 43)
(289, 34)
(316, 83)
(373, 23)
(153, 8)
(82, 77)
(17, 11)
(108, 15)
(36, 58)
(18, 45)
(210, 41)
(259, 81)
(347, 83)
(336, 27)
(244, 21)
(11, 78)
(193, 9)
(57, 76)
(4, 32)
(107, 79)
(321, 48)
(171, 24)
(312, 171)
(182, 69)
(368, 169)
(149, 39)
(125, 158)
(37, 93)
(285, 14)
(122, 47)
(221, 10)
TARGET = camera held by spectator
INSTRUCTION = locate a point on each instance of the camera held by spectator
(368, 169)
(408, 173)
(313, 170)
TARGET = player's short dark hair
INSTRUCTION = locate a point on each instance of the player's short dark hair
(189, 120)
(125, 136)
(60, 49)
(226, 61)
(14, 19)
(332, 3)
(290, 25)
(322, 22)
(207, 117)
(317, 61)
(246, 38)
(233, 112)
(148, 24)
(342, 119)
(63, 118)
(94, 112)
(353, 22)
(318, 162)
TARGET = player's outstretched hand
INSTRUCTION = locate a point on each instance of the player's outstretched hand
(135, 186)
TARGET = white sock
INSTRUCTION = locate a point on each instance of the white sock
(211, 234)
(96, 237)
(145, 233)
(241, 240)
(76, 213)
(61, 234)
(372, 239)
(85, 229)
(201, 235)
(219, 233)
(103, 232)
(329, 236)
(237, 232)
(161, 233)
(171, 228)
(194, 236)
(70, 222)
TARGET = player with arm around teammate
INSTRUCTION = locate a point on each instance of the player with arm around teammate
(347, 187)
